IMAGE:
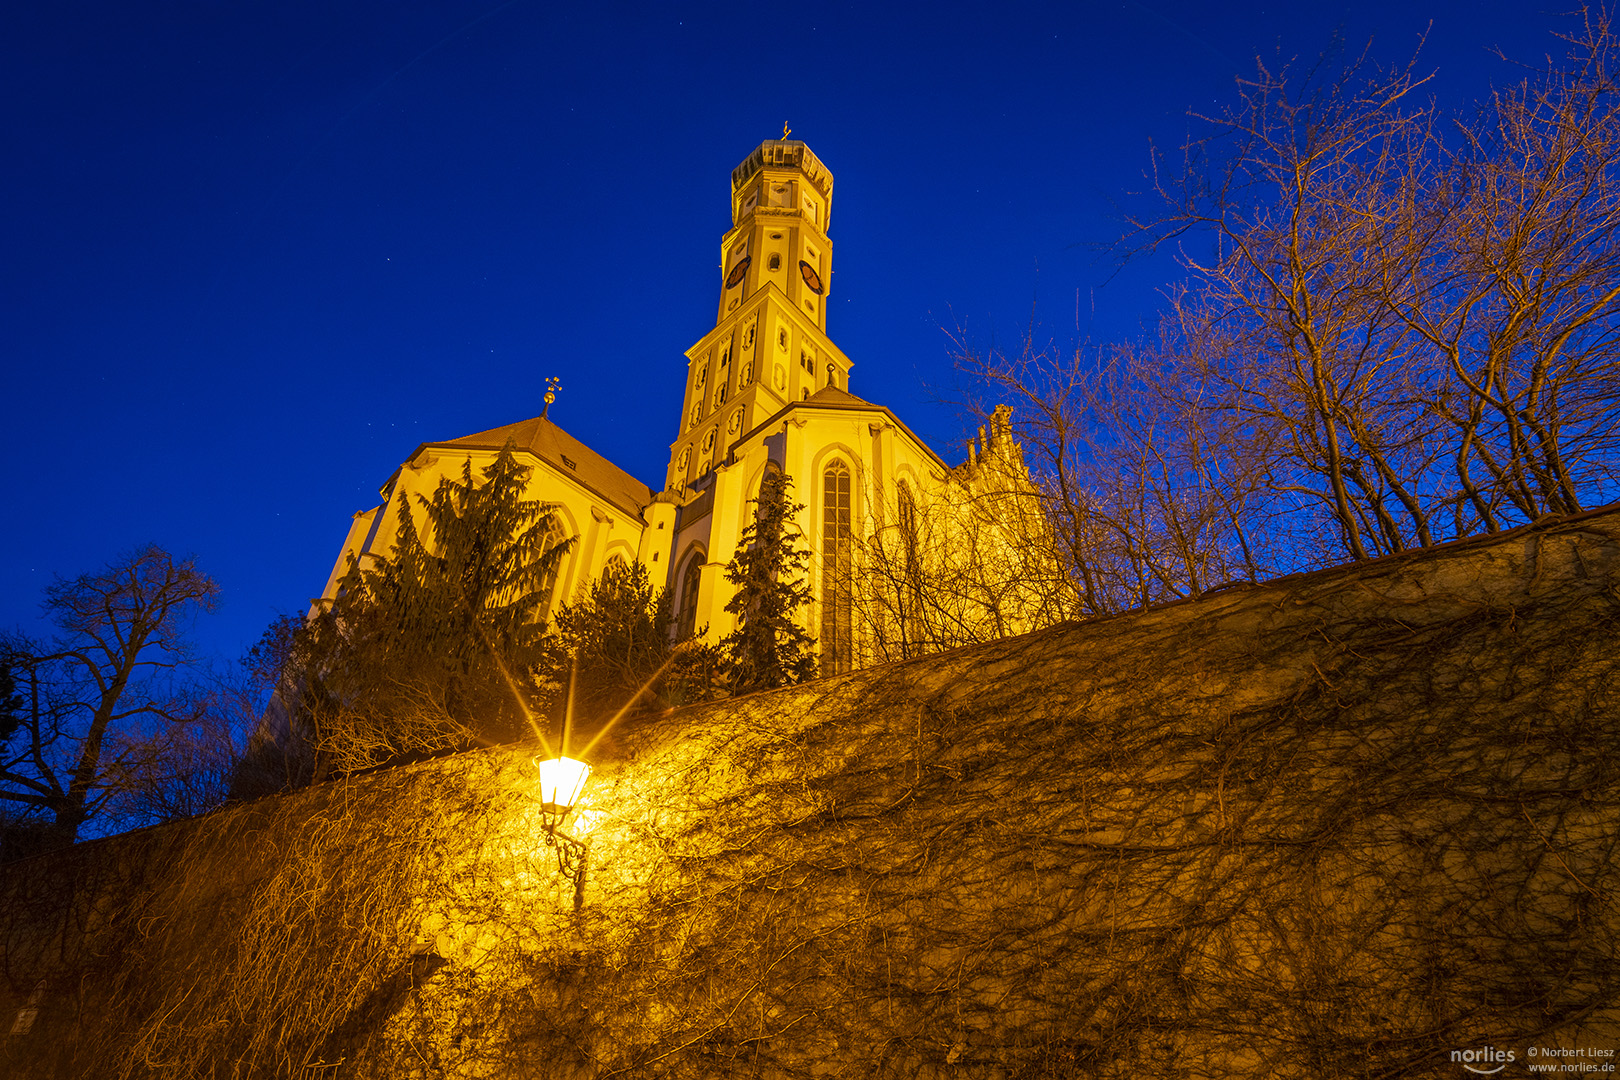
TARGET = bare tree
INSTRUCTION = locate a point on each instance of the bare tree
(101, 705)
(968, 559)
(1145, 497)
(1396, 327)
(1408, 321)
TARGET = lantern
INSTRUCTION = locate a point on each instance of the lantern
(561, 782)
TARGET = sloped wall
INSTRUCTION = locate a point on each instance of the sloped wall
(1340, 825)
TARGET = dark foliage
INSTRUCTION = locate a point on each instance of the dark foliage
(769, 648)
(616, 643)
(437, 646)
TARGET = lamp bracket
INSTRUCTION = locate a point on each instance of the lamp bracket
(573, 857)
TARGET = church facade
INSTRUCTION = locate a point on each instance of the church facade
(765, 389)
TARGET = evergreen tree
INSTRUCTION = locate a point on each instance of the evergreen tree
(440, 644)
(769, 648)
(619, 636)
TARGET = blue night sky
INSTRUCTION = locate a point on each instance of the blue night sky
(254, 252)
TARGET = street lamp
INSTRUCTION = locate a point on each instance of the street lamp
(562, 779)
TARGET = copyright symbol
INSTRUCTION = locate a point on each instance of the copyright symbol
(1530, 1052)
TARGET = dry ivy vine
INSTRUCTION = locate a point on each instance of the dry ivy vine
(1334, 826)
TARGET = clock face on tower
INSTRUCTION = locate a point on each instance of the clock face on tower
(811, 278)
(739, 270)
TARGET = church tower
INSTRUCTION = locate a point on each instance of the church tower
(766, 389)
(769, 346)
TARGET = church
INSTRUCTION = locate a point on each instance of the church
(765, 389)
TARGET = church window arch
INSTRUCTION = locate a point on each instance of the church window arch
(615, 565)
(691, 583)
(837, 552)
(556, 533)
(908, 590)
(907, 516)
(776, 260)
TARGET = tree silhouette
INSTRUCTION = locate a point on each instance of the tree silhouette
(769, 648)
(93, 707)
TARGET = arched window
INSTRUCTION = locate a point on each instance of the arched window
(908, 595)
(548, 584)
(908, 526)
(836, 570)
(615, 565)
(691, 581)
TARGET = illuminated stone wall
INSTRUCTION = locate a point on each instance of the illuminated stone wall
(1340, 825)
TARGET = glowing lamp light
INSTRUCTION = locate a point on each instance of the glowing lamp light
(561, 781)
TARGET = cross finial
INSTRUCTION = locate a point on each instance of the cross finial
(553, 384)
(786, 131)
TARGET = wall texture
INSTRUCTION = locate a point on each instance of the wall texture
(1341, 825)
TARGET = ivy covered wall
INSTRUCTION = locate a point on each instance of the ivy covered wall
(1339, 825)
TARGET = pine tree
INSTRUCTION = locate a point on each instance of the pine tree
(769, 648)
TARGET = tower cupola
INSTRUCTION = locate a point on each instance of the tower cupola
(781, 202)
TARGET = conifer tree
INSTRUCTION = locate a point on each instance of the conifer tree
(437, 645)
(619, 636)
(769, 648)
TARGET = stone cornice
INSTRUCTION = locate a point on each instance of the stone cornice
(784, 154)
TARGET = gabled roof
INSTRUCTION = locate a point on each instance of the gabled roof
(830, 397)
(565, 454)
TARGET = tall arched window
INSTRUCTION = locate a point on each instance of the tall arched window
(836, 570)
(908, 528)
(908, 596)
(555, 535)
(691, 581)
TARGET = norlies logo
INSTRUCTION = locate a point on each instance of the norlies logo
(1485, 1055)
